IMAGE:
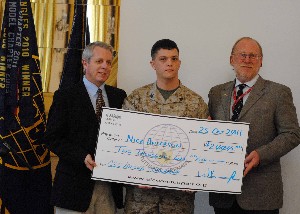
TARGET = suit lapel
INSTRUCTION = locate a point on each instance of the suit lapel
(86, 102)
(111, 96)
(226, 99)
(254, 96)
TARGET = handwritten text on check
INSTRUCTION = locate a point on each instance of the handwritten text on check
(171, 152)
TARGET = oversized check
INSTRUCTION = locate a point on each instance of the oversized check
(171, 152)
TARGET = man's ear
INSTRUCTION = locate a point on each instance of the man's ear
(231, 60)
(261, 60)
(152, 64)
(84, 63)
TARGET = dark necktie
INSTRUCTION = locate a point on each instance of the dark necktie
(99, 104)
(238, 105)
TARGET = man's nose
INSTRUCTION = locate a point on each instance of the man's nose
(247, 59)
(104, 65)
(169, 62)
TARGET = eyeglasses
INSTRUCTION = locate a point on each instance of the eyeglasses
(244, 56)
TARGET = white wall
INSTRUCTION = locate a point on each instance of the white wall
(205, 31)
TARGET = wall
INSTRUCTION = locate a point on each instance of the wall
(205, 31)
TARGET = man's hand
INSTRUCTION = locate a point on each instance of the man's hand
(89, 162)
(251, 161)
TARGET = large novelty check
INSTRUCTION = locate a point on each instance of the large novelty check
(171, 152)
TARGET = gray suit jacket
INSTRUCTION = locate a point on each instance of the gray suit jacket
(274, 131)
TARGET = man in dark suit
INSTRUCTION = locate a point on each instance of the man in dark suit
(72, 133)
(274, 131)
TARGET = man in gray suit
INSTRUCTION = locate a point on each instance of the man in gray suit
(274, 131)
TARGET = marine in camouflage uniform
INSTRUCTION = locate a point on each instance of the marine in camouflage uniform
(182, 102)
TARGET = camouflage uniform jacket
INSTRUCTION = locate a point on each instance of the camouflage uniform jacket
(183, 102)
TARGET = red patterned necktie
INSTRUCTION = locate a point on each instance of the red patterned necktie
(99, 104)
(239, 105)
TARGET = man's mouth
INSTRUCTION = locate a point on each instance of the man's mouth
(246, 66)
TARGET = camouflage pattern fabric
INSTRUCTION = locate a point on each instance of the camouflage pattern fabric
(183, 102)
(154, 201)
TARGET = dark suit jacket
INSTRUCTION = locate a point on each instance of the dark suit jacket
(72, 133)
(274, 131)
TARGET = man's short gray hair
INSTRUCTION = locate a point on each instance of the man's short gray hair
(88, 50)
